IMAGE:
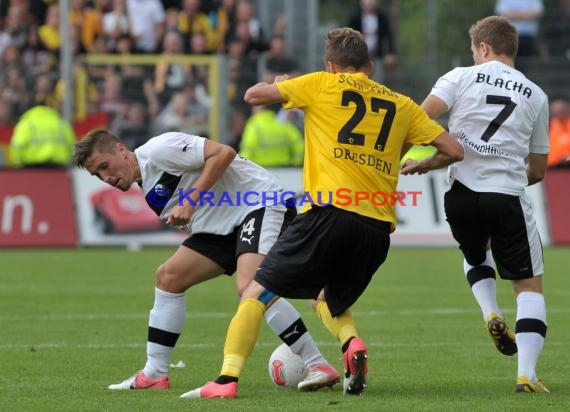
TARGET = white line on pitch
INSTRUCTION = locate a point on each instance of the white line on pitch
(274, 342)
(227, 315)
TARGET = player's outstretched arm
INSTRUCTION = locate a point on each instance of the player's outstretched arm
(449, 151)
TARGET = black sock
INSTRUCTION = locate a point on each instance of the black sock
(345, 346)
(223, 379)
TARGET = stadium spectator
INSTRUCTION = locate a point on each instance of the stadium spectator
(525, 16)
(198, 44)
(332, 252)
(11, 58)
(270, 142)
(133, 128)
(75, 43)
(44, 91)
(191, 20)
(277, 61)
(147, 19)
(35, 56)
(242, 72)
(49, 30)
(505, 134)
(85, 93)
(171, 19)
(224, 18)
(247, 28)
(87, 20)
(375, 25)
(224, 238)
(559, 155)
(170, 77)
(113, 100)
(116, 23)
(15, 89)
(42, 138)
(179, 115)
(125, 46)
(15, 30)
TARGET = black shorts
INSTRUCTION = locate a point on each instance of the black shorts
(326, 248)
(257, 234)
(506, 220)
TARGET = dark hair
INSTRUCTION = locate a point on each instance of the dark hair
(98, 140)
(497, 32)
(346, 47)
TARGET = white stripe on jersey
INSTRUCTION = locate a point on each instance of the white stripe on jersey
(498, 115)
(182, 155)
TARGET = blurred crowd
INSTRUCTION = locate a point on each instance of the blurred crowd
(142, 100)
(139, 100)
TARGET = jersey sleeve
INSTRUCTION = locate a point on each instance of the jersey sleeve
(539, 140)
(178, 152)
(423, 130)
(300, 91)
(447, 87)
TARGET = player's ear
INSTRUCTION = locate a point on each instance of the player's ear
(486, 49)
(121, 148)
(330, 66)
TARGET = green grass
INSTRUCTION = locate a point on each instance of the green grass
(74, 321)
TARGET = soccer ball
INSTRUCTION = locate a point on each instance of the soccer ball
(286, 369)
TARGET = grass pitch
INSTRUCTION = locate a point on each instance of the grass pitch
(74, 321)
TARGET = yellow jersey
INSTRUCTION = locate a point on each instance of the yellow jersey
(354, 132)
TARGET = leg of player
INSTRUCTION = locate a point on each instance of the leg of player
(241, 337)
(285, 321)
(482, 280)
(530, 332)
(182, 270)
(354, 350)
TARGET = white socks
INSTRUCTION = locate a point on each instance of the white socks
(485, 290)
(286, 322)
(164, 327)
(530, 306)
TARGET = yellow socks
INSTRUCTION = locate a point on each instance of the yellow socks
(242, 335)
(342, 327)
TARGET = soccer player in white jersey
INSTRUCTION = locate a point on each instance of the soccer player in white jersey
(501, 117)
(198, 184)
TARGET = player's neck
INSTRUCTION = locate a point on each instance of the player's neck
(509, 61)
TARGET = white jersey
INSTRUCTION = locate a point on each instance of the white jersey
(171, 163)
(499, 116)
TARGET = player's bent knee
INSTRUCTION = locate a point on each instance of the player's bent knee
(478, 273)
(168, 280)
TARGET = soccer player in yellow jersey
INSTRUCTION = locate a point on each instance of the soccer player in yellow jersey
(355, 132)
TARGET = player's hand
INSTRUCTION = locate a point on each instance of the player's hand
(180, 215)
(409, 167)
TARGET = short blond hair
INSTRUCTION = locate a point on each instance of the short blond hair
(346, 47)
(98, 140)
(497, 32)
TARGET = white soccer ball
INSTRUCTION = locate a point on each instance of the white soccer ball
(286, 369)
